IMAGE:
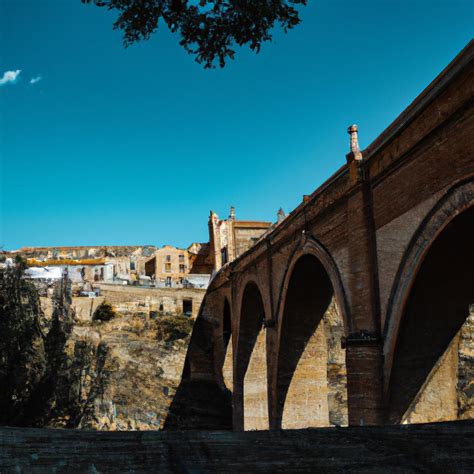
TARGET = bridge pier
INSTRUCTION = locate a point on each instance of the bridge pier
(238, 406)
(364, 364)
(364, 349)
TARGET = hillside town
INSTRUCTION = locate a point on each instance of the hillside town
(165, 280)
(125, 315)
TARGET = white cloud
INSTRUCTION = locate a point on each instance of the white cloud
(36, 79)
(9, 76)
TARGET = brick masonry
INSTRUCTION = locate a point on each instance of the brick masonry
(369, 229)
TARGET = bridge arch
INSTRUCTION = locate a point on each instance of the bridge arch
(428, 307)
(310, 370)
(309, 245)
(250, 363)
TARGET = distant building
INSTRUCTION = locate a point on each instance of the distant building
(78, 252)
(130, 267)
(200, 259)
(95, 269)
(101, 263)
(44, 273)
(229, 238)
(169, 265)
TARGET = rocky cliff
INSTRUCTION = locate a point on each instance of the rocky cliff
(117, 376)
(65, 372)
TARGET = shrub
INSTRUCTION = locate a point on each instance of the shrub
(172, 328)
(103, 312)
(137, 325)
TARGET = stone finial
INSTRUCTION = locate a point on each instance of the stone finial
(232, 212)
(353, 131)
(280, 215)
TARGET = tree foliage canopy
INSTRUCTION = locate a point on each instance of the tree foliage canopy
(208, 29)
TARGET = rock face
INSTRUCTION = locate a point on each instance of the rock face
(465, 385)
(336, 366)
(117, 376)
(120, 374)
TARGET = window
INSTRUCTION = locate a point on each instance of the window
(167, 267)
(168, 258)
(168, 281)
(188, 307)
(181, 258)
(224, 255)
(181, 269)
(132, 265)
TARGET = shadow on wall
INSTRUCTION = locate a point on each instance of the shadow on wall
(200, 403)
(425, 380)
(311, 384)
(250, 381)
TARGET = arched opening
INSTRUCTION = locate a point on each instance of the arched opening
(311, 377)
(227, 345)
(432, 377)
(251, 362)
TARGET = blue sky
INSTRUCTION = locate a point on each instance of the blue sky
(135, 146)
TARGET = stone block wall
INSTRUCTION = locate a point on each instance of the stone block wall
(448, 392)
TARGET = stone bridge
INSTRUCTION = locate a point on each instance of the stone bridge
(355, 309)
